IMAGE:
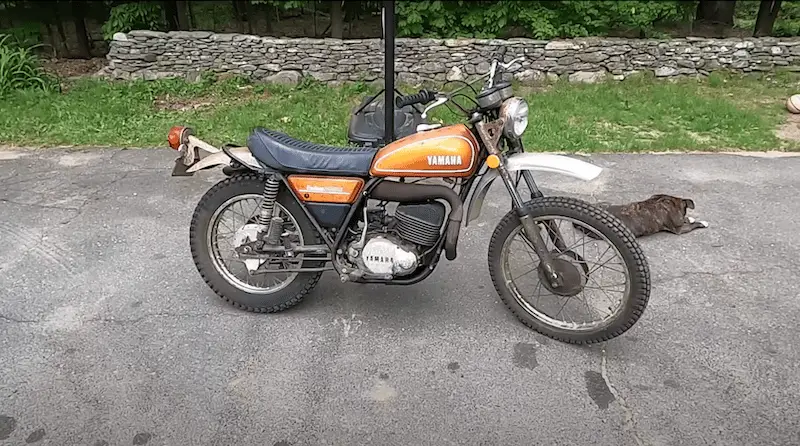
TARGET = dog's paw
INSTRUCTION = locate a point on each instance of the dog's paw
(690, 219)
(704, 223)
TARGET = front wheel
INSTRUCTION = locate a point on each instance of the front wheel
(606, 276)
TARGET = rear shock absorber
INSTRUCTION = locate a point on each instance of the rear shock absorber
(271, 226)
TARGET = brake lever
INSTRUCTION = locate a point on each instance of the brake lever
(441, 100)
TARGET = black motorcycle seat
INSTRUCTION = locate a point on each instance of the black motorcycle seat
(286, 154)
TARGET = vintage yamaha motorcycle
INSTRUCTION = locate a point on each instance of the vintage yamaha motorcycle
(289, 210)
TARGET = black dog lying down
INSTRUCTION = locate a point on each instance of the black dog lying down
(657, 213)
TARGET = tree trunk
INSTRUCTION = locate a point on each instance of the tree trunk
(171, 14)
(716, 11)
(245, 10)
(767, 13)
(51, 18)
(192, 20)
(266, 13)
(336, 19)
(237, 15)
(63, 36)
(182, 10)
(78, 18)
(49, 38)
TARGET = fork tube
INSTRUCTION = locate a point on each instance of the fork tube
(530, 228)
(515, 146)
(528, 177)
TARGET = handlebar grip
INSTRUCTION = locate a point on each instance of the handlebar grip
(423, 97)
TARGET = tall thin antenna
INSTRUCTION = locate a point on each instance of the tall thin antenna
(388, 70)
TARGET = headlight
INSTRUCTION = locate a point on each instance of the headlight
(515, 112)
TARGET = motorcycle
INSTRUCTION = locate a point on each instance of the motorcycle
(297, 209)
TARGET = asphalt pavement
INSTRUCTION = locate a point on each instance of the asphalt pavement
(108, 335)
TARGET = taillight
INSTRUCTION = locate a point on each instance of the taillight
(175, 135)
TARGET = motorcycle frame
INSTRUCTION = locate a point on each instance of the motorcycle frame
(471, 195)
(489, 135)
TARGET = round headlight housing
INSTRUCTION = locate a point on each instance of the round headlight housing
(515, 113)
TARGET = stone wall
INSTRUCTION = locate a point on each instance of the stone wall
(152, 55)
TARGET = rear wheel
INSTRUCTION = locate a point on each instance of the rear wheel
(606, 276)
(223, 218)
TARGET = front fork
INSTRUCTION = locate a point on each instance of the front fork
(531, 229)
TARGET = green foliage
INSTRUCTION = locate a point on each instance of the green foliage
(786, 25)
(788, 22)
(212, 15)
(20, 70)
(728, 111)
(129, 16)
(539, 19)
(25, 35)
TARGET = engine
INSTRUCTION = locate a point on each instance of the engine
(394, 244)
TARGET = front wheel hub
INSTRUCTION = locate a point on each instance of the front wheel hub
(572, 281)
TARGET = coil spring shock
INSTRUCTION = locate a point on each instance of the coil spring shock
(268, 201)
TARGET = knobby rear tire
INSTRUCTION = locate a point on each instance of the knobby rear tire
(603, 222)
(241, 184)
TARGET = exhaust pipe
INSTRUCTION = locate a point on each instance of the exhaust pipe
(410, 193)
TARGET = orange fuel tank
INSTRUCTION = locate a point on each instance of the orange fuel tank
(450, 151)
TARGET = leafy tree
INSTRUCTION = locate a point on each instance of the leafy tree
(134, 15)
(540, 19)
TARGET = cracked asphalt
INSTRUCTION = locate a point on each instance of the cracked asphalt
(108, 336)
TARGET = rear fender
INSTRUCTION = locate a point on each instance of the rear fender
(241, 154)
(540, 162)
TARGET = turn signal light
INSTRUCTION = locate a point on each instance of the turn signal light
(493, 161)
(174, 136)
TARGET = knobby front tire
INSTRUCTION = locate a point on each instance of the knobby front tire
(635, 265)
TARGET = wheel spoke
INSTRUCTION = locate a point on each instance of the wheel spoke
(566, 301)
(526, 273)
(267, 278)
(538, 292)
(586, 301)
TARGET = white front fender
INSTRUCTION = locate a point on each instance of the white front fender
(542, 162)
(547, 162)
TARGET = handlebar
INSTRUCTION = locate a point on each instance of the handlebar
(423, 97)
(427, 96)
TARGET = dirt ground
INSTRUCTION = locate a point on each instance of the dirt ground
(790, 130)
(71, 68)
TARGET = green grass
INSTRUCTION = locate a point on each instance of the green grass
(20, 70)
(719, 113)
(733, 113)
